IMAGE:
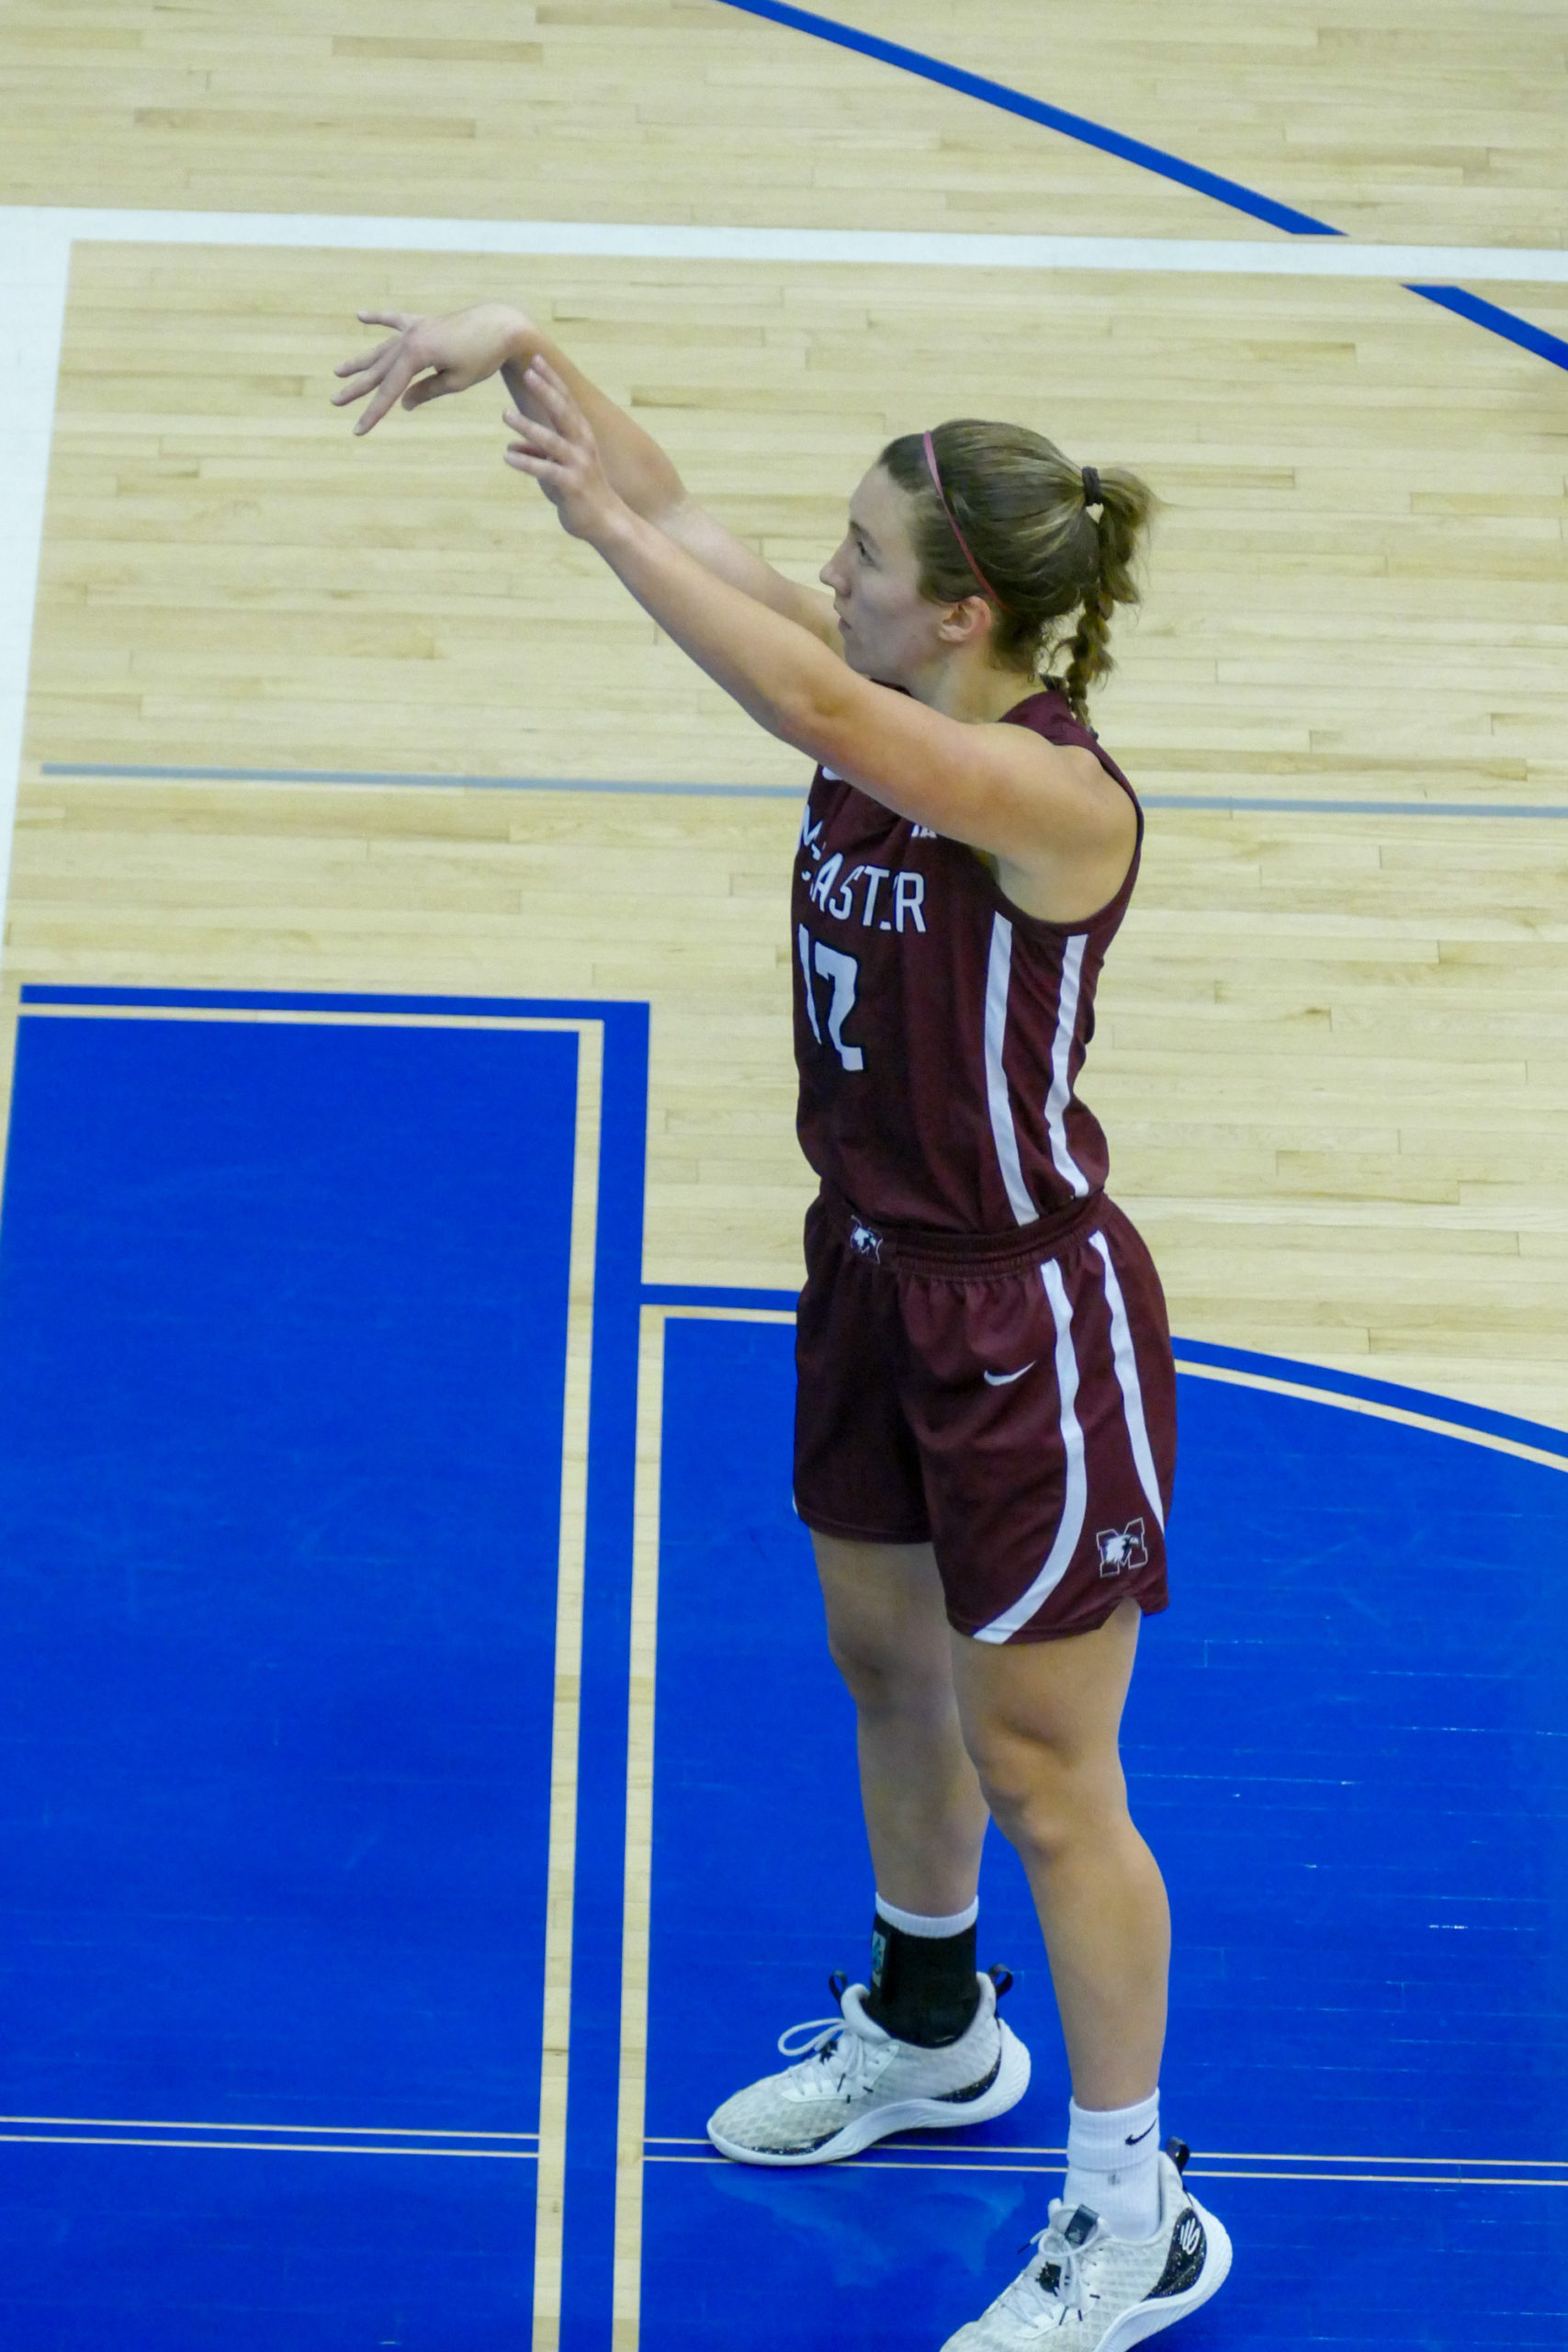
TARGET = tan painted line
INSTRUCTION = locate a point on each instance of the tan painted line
(730, 1314)
(1397, 2181)
(314, 2130)
(271, 1016)
(261, 2147)
(549, 2216)
(1248, 2156)
(1375, 1411)
(627, 2292)
(1194, 2172)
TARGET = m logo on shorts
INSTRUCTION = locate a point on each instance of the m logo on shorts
(1122, 1549)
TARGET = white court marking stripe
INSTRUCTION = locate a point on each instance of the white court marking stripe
(1003, 1132)
(1076, 1498)
(1061, 1067)
(908, 249)
(1127, 1380)
(34, 267)
(35, 249)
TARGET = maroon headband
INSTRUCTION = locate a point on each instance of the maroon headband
(936, 476)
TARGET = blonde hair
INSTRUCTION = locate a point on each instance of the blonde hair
(1020, 507)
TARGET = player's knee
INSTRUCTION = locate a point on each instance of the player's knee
(1046, 1803)
(887, 1676)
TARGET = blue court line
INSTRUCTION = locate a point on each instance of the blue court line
(742, 1301)
(1356, 1384)
(1352, 1385)
(593, 2083)
(375, 776)
(1010, 101)
(1262, 803)
(1266, 803)
(1507, 324)
(625, 1267)
(1258, 207)
(281, 2139)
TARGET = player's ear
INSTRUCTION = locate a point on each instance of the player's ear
(965, 623)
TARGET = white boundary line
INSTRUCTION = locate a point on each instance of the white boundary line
(35, 264)
(671, 240)
(549, 2209)
(35, 260)
(638, 1914)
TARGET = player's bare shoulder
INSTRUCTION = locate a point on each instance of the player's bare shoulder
(1084, 838)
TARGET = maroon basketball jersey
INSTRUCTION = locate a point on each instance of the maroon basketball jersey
(939, 1030)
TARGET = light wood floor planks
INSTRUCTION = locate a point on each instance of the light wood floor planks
(1436, 121)
(1330, 1054)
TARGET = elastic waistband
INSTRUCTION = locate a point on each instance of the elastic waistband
(918, 1250)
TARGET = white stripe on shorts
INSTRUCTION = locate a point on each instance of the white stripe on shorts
(1127, 1380)
(1003, 1133)
(1075, 1503)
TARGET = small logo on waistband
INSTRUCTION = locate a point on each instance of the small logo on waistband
(1004, 1379)
(1122, 1549)
(866, 1243)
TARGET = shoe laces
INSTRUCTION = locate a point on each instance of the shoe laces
(832, 2062)
(1056, 2282)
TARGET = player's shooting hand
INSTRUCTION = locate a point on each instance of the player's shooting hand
(424, 359)
(555, 444)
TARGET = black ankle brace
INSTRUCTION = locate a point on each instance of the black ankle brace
(922, 1988)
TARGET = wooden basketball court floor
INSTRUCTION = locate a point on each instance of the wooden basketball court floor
(425, 1793)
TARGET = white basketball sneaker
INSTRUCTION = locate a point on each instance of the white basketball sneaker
(851, 2084)
(1086, 2289)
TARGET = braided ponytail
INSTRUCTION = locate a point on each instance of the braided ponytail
(1126, 505)
(1007, 511)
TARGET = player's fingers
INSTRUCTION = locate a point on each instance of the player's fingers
(362, 379)
(367, 359)
(540, 440)
(430, 388)
(535, 429)
(550, 392)
(398, 319)
(393, 385)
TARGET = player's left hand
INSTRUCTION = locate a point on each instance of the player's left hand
(555, 444)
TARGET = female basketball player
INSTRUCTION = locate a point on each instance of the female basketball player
(984, 1435)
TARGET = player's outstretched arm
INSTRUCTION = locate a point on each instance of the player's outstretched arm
(427, 358)
(1002, 789)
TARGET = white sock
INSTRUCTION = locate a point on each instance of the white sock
(1113, 2165)
(919, 1923)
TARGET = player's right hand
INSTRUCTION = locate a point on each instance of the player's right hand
(422, 360)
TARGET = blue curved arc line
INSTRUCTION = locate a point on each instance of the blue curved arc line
(1010, 101)
(1507, 324)
(1353, 1386)
(1257, 207)
(1357, 1389)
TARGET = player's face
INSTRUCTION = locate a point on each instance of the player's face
(889, 629)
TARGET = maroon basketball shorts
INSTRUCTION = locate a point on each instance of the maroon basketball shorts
(1009, 1399)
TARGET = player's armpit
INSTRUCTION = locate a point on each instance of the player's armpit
(1063, 829)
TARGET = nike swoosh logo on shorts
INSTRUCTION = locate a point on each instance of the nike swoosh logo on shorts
(1001, 1379)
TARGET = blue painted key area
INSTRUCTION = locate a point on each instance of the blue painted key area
(282, 1334)
(282, 1339)
(1348, 1745)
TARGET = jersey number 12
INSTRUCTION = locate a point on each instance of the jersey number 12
(844, 971)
